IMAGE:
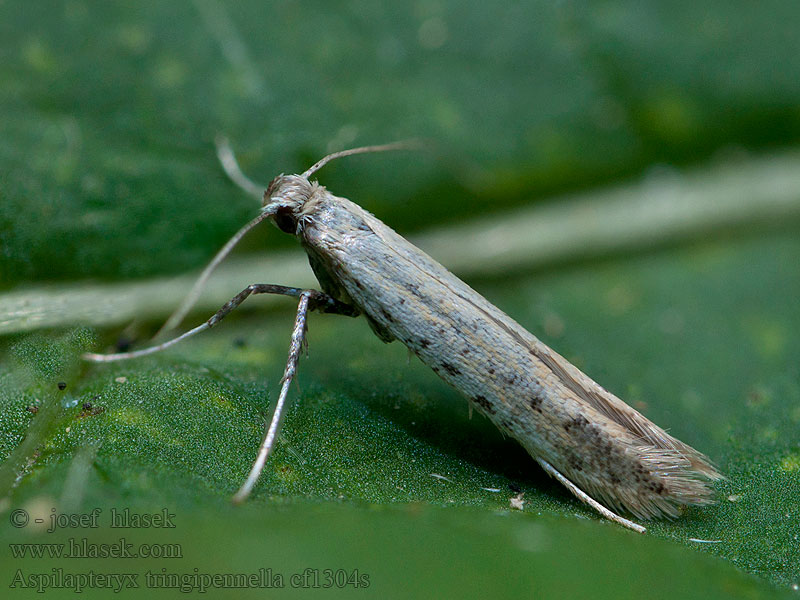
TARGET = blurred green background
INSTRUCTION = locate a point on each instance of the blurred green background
(108, 174)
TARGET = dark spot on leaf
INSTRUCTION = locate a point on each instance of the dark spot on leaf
(124, 343)
(89, 409)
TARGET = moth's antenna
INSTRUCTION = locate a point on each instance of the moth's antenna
(233, 171)
(185, 306)
(228, 161)
(404, 145)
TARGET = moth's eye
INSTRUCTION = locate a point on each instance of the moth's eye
(285, 220)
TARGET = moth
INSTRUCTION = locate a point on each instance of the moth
(606, 453)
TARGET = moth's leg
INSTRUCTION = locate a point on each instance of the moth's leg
(584, 497)
(298, 337)
(315, 300)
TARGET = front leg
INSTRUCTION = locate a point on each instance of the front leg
(316, 300)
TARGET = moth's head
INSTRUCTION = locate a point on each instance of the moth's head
(287, 196)
(285, 200)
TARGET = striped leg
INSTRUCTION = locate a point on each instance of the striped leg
(315, 300)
